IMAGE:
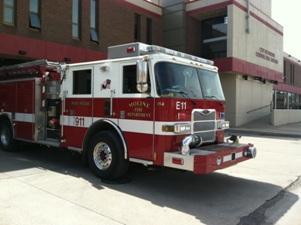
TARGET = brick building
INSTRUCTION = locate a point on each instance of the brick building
(73, 30)
(239, 35)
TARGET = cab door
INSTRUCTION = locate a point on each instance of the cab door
(77, 104)
(135, 114)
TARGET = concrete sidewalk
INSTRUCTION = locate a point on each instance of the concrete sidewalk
(263, 127)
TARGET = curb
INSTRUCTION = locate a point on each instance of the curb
(260, 132)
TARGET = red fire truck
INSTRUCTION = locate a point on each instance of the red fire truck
(144, 104)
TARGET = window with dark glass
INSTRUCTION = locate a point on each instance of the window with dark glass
(183, 81)
(214, 37)
(93, 20)
(82, 82)
(76, 19)
(9, 12)
(282, 100)
(129, 79)
(298, 101)
(284, 72)
(137, 28)
(149, 30)
(292, 74)
(34, 14)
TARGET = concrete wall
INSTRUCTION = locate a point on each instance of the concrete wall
(229, 87)
(262, 46)
(253, 99)
(246, 100)
(283, 116)
(174, 25)
(263, 5)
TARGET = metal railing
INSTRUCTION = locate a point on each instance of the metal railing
(259, 108)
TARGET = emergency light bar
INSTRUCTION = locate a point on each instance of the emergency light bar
(139, 49)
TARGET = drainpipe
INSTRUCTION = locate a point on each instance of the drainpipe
(248, 17)
(275, 99)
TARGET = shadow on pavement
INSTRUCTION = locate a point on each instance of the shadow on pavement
(210, 198)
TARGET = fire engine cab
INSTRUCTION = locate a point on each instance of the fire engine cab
(144, 104)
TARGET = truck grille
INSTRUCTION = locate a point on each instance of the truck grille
(204, 124)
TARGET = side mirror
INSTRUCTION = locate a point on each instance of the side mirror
(141, 79)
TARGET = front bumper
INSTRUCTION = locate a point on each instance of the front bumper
(209, 158)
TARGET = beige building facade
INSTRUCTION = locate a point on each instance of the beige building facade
(249, 53)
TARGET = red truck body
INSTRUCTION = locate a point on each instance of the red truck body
(89, 108)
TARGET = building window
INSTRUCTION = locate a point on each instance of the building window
(282, 100)
(76, 19)
(292, 74)
(214, 37)
(137, 28)
(34, 14)
(82, 82)
(93, 20)
(284, 72)
(129, 79)
(149, 31)
(9, 12)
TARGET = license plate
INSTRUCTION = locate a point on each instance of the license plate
(232, 156)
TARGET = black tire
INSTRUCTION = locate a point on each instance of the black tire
(104, 146)
(7, 142)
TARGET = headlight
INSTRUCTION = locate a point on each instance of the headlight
(180, 128)
(221, 124)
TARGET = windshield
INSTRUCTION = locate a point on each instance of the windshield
(176, 80)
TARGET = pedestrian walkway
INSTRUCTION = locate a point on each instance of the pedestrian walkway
(264, 127)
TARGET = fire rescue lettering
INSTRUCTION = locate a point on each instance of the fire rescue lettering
(80, 103)
(137, 108)
(139, 104)
(139, 115)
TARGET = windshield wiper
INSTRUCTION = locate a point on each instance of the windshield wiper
(211, 96)
(183, 93)
(178, 91)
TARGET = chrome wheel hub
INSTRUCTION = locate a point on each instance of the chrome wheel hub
(4, 138)
(102, 156)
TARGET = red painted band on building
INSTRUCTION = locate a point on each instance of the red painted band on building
(31, 48)
(288, 88)
(237, 4)
(243, 67)
(210, 8)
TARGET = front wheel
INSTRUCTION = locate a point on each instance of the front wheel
(6, 136)
(106, 156)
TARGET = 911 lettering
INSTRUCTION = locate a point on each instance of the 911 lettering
(79, 121)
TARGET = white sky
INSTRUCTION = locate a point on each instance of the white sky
(288, 14)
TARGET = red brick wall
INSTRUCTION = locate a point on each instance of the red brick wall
(116, 23)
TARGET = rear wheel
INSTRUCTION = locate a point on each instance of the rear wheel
(6, 136)
(106, 156)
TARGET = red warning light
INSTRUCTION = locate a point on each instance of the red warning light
(130, 49)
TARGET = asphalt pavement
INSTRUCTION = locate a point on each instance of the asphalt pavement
(52, 187)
